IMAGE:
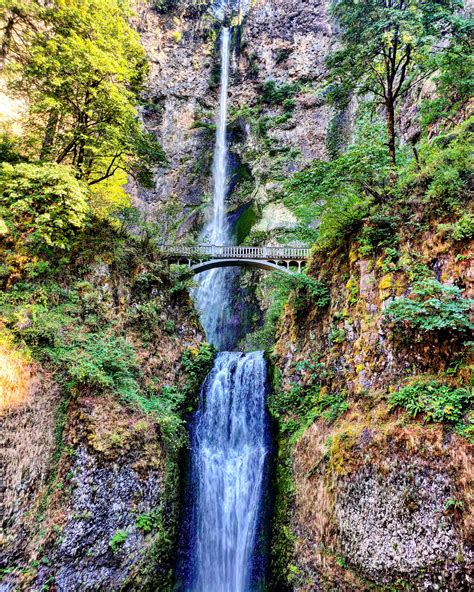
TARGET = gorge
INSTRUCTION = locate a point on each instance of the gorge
(238, 429)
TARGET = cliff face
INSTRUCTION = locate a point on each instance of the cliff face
(278, 40)
(378, 497)
(92, 480)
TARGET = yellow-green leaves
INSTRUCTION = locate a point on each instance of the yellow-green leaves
(42, 205)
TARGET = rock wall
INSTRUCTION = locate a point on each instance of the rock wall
(379, 499)
(90, 484)
(280, 40)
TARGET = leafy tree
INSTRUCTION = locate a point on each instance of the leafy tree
(82, 67)
(386, 47)
(339, 192)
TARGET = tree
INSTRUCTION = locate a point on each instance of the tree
(386, 49)
(82, 69)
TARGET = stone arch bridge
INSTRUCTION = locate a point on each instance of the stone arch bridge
(204, 257)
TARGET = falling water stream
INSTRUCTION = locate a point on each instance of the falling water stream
(229, 449)
(229, 432)
(212, 295)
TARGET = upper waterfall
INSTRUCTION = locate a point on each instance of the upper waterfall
(222, 7)
(212, 293)
(217, 228)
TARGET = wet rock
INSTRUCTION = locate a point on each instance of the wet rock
(104, 500)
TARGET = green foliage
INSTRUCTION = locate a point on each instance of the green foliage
(10, 150)
(443, 172)
(307, 290)
(172, 402)
(337, 335)
(454, 76)
(273, 93)
(462, 229)
(81, 67)
(381, 231)
(117, 540)
(299, 290)
(197, 362)
(278, 292)
(43, 205)
(339, 192)
(99, 363)
(386, 48)
(432, 306)
(297, 408)
(437, 402)
(148, 522)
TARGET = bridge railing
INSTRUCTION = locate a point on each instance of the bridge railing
(237, 252)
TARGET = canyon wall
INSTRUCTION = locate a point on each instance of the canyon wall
(92, 480)
(279, 40)
(379, 499)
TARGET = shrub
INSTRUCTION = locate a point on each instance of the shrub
(432, 306)
(277, 94)
(462, 229)
(197, 362)
(437, 402)
(380, 232)
(308, 290)
(148, 522)
(43, 204)
(443, 170)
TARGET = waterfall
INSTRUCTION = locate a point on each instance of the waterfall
(230, 439)
(230, 443)
(212, 294)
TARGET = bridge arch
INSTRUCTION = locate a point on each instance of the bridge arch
(255, 263)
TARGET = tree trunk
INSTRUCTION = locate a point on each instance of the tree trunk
(7, 37)
(49, 134)
(391, 130)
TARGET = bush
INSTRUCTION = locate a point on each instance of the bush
(339, 192)
(148, 522)
(299, 407)
(462, 230)
(442, 173)
(432, 306)
(437, 402)
(279, 94)
(43, 204)
(380, 232)
(308, 290)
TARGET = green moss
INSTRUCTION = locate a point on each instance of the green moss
(244, 224)
(117, 540)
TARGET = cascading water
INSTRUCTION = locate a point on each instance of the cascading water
(230, 431)
(230, 445)
(212, 295)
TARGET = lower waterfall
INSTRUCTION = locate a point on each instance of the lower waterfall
(230, 445)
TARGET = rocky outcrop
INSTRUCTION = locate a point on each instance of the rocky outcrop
(383, 507)
(379, 498)
(280, 41)
(28, 443)
(90, 482)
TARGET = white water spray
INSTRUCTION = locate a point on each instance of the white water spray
(230, 444)
(212, 294)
